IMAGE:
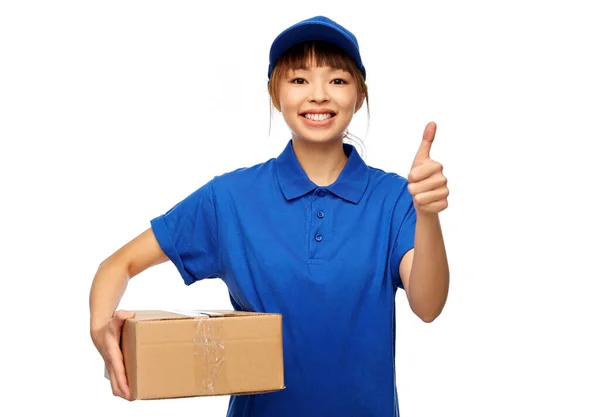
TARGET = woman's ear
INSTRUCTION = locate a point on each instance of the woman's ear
(274, 103)
(359, 103)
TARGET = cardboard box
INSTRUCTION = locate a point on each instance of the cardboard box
(171, 354)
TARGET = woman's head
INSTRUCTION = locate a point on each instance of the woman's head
(313, 77)
(317, 78)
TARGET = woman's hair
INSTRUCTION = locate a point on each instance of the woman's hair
(317, 53)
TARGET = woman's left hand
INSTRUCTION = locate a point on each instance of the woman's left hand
(427, 183)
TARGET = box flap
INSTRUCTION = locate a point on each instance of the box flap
(148, 315)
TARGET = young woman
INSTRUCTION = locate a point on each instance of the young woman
(314, 234)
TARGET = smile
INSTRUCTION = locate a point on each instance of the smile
(318, 119)
(318, 116)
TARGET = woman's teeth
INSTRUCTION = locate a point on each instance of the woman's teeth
(317, 117)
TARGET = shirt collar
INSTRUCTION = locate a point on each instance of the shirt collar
(293, 181)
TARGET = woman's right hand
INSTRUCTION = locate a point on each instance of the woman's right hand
(107, 340)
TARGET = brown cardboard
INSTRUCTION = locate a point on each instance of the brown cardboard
(170, 354)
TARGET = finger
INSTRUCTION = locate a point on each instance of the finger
(433, 208)
(118, 368)
(431, 183)
(123, 315)
(116, 324)
(425, 147)
(425, 170)
(114, 385)
(433, 196)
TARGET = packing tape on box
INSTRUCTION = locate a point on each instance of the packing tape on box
(209, 354)
(191, 313)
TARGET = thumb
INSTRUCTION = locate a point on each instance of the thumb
(425, 147)
(124, 315)
(119, 318)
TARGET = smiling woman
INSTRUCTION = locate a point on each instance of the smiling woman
(314, 232)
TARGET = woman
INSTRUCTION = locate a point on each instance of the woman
(314, 234)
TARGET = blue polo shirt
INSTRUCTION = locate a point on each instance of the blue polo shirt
(326, 258)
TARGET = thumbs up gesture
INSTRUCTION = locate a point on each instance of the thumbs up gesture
(426, 183)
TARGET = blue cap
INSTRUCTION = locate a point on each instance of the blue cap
(319, 28)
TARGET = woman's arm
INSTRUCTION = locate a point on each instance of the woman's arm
(424, 270)
(107, 289)
(114, 273)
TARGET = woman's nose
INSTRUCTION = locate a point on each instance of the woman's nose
(319, 93)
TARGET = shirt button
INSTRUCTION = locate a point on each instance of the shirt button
(320, 214)
(321, 193)
(318, 237)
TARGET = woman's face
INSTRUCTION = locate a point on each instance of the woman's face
(318, 103)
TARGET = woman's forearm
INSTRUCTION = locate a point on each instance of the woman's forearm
(429, 276)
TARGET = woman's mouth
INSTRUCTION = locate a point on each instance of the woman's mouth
(318, 119)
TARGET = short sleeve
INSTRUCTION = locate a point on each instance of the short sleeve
(188, 235)
(404, 220)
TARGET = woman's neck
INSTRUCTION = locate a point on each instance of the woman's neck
(322, 162)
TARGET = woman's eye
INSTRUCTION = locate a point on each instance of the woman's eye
(298, 81)
(339, 81)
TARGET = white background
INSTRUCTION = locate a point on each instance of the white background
(113, 111)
